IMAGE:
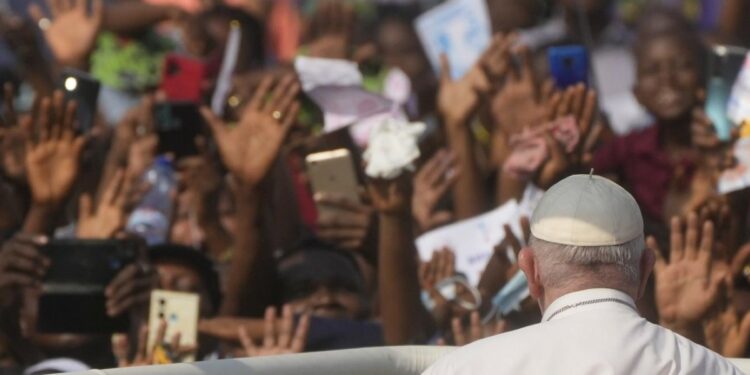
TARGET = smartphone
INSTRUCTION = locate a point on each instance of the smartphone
(569, 65)
(333, 172)
(177, 125)
(724, 65)
(72, 298)
(182, 78)
(84, 89)
(180, 311)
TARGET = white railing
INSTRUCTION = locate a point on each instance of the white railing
(398, 360)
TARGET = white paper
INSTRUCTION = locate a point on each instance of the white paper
(738, 177)
(460, 29)
(473, 240)
(336, 87)
(316, 72)
(738, 108)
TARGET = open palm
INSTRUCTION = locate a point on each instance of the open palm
(249, 149)
(52, 157)
(72, 31)
(685, 286)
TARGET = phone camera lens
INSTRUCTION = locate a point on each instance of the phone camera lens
(162, 301)
(161, 315)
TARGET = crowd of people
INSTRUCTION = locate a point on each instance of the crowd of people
(281, 268)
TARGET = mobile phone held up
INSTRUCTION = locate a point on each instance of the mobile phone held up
(182, 78)
(332, 172)
(180, 311)
(569, 65)
(177, 125)
(72, 298)
(84, 89)
(724, 65)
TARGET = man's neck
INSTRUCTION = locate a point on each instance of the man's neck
(551, 295)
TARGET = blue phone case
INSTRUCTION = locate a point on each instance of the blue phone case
(569, 65)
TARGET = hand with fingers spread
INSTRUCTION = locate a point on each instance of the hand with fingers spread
(431, 183)
(130, 290)
(499, 269)
(477, 330)
(110, 214)
(71, 30)
(21, 266)
(520, 103)
(249, 149)
(330, 30)
(580, 103)
(344, 223)
(53, 153)
(685, 286)
(146, 355)
(281, 336)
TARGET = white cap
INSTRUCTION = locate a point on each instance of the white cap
(587, 210)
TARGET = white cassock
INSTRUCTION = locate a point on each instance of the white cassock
(591, 332)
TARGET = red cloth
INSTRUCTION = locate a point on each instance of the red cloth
(644, 168)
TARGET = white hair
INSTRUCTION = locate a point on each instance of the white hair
(559, 264)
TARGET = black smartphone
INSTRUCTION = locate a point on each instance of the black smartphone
(84, 89)
(178, 124)
(72, 299)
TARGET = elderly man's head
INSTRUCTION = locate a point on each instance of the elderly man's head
(587, 232)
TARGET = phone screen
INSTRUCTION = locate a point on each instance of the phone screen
(84, 89)
(178, 124)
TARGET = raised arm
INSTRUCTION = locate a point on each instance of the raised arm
(248, 150)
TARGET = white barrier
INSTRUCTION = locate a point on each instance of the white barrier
(401, 360)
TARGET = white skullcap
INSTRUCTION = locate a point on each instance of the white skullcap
(587, 210)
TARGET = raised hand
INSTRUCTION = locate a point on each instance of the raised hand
(391, 197)
(345, 223)
(499, 269)
(431, 183)
(458, 99)
(249, 149)
(477, 330)
(53, 153)
(110, 214)
(685, 286)
(726, 332)
(441, 266)
(331, 28)
(580, 103)
(280, 335)
(71, 31)
(519, 103)
(21, 266)
(130, 290)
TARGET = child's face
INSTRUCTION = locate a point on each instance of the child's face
(668, 79)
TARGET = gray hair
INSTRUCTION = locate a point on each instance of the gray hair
(560, 264)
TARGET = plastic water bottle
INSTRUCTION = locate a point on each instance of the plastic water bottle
(150, 219)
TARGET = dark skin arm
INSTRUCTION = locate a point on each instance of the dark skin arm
(52, 160)
(457, 102)
(248, 150)
(135, 16)
(402, 312)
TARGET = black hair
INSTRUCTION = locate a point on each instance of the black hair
(196, 261)
(318, 251)
(661, 22)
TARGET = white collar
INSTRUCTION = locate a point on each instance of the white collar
(569, 303)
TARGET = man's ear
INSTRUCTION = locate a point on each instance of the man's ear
(530, 267)
(646, 267)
